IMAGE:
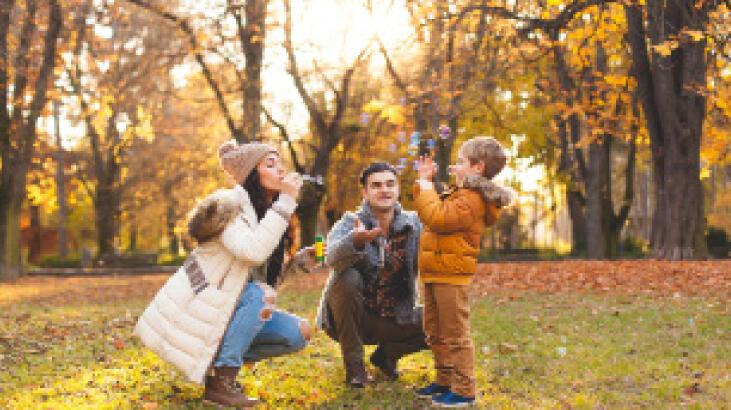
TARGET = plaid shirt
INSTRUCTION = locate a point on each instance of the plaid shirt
(391, 282)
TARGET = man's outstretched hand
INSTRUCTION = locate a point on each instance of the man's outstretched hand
(307, 257)
(362, 236)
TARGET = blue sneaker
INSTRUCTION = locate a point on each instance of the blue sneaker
(453, 399)
(432, 390)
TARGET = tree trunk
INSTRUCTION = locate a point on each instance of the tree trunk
(252, 40)
(11, 266)
(34, 243)
(596, 202)
(18, 134)
(671, 92)
(60, 185)
(574, 199)
(307, 212)
(106, 206)
(132, 237)
(12, 194)
(578, 222)
(6, 257)
(444, 151)
(571, 162)
(612, 240)
(173, 245)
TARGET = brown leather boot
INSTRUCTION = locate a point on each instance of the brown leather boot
(356, 374)
(222, 389)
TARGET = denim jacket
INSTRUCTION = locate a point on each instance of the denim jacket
(342, 255)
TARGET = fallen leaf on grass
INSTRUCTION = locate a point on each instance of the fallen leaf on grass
(638, 277)
(507, 348)
(695, 388)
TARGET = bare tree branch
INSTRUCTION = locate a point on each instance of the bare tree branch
(22, 60)
(285, 135)
(5, 8)
(532, 23)
(318, 118)
(392, 69)
(184, 26)
(45, 73)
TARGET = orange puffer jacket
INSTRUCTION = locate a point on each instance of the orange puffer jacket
(453, 227)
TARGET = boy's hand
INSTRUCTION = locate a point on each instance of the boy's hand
(427, 168)
(361, 235)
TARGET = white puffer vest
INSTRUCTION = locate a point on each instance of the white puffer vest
(187, 318)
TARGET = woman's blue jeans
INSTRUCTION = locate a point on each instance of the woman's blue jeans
(252, 336)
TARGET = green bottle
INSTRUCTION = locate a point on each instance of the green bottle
(319, 249)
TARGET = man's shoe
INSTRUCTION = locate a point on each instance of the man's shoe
(452, 399)
(432, 390)
(386, 366)
(356, 375)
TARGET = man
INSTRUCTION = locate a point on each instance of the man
(370, 297)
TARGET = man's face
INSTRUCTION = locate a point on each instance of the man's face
(381, 190)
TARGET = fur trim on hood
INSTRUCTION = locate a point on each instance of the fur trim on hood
(490, 191)
(211, 215)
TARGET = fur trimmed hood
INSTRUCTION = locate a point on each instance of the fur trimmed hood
(490, 191)
(211, 215)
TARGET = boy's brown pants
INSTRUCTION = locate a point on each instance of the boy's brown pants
(447, 327)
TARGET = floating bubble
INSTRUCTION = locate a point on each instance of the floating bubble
(364, 118)
(415, 138)
(392, 147)
(416, 165)
(561, 351)
(315, 179)
(402, 101)
(444, 132)
(401, 136)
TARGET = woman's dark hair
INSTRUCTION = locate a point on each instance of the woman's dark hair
(374, 167)
(258, 197)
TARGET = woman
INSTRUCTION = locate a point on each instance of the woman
(217, 311)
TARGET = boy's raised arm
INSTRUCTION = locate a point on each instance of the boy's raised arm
(446, 216)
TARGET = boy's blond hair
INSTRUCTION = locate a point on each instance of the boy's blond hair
(487, 150)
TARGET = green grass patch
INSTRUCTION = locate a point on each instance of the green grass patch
(532, 351)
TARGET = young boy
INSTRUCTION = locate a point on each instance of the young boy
(453, 226)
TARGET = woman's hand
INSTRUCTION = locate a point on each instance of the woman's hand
(291, 184)
(427, 168)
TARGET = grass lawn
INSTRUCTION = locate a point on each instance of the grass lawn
(67, 343)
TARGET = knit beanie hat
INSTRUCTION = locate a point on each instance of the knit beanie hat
(239, 160)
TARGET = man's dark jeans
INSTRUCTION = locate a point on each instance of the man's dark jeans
(353, 325)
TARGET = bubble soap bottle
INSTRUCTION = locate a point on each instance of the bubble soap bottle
(319, 250)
